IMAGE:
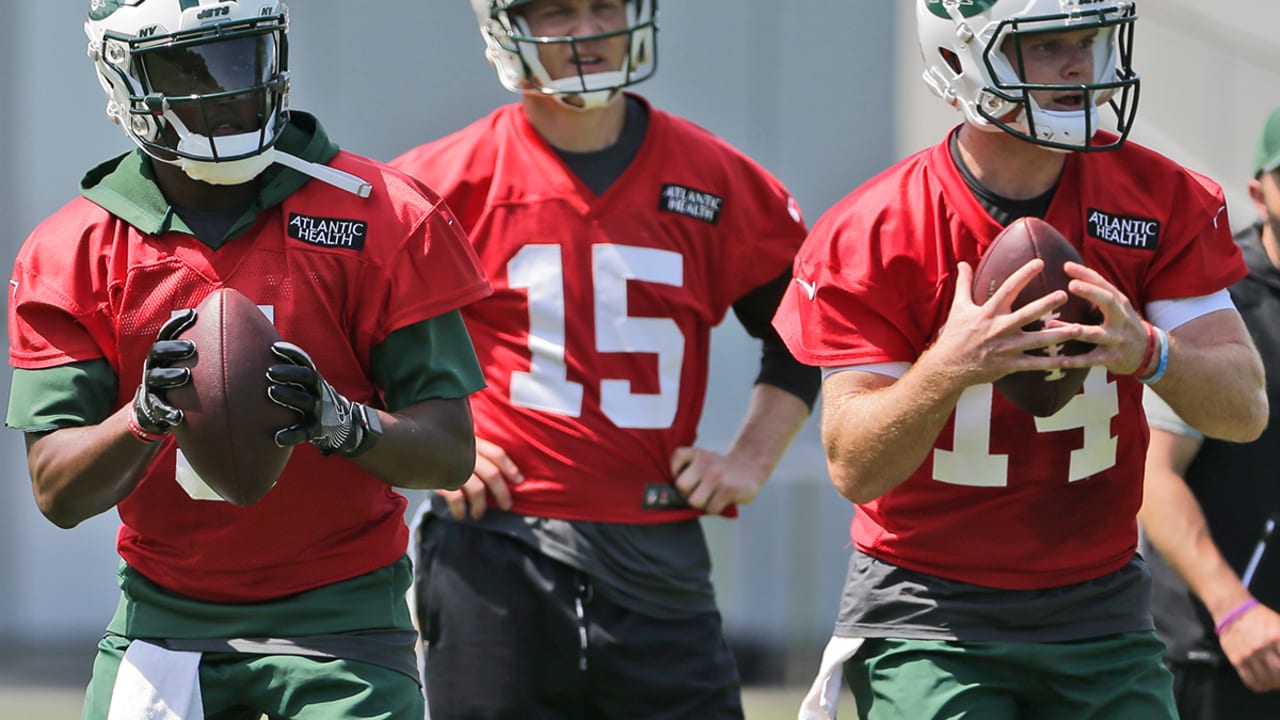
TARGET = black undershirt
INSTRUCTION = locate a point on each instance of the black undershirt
(599, 169)
(1002, 209)
(210, 226)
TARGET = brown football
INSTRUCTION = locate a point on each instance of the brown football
(228, 428)
(1040, 393)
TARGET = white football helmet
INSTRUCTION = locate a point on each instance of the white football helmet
(156, 57)
(513, 51)
(964, 46)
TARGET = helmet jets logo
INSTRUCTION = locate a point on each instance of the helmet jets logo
(212, 13)
(216, 12)
(99, 9)
(967, 8)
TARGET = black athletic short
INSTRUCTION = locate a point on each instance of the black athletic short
(512, 633)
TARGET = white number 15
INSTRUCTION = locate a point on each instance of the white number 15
(546, 385)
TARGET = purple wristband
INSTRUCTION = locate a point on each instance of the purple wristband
(1234, 615)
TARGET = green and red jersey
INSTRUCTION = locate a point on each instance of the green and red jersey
(337, 274)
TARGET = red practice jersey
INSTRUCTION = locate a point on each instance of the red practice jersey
(337, 274)
(595, 343)
(1005, 499)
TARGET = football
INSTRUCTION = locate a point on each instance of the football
(1041, 393)
(228, 429)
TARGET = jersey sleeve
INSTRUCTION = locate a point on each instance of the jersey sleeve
(427, 360)
(768, 233)
(831, 316)
(72, 395)
(435, 270)
(48, 325)
(1206, 258)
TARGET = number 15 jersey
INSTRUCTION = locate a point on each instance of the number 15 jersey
(595, 343)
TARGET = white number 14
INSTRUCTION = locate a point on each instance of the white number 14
(971, 462)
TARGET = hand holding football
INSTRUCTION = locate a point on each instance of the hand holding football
(1041, 393)
(229, 424)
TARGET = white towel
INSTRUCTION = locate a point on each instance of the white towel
(415, 529)
(820, 702)
(157, 684)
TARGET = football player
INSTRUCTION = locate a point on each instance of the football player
(994, 572)
(293, 607)
(570, 578)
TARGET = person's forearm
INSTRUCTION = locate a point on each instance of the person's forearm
(429, 446)
(773, 418)
(77, 473)
(875, 438)
(1225, 359)
(1176, 527)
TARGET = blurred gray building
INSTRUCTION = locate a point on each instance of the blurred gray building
(824, 93)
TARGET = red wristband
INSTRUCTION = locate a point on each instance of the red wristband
(142, 434)
(1149, 354)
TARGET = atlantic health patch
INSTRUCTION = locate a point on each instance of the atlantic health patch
(691, 203)
(1131, 232)
(328, 232)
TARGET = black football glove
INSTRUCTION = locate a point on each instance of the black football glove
(151, 412)
(329, 421)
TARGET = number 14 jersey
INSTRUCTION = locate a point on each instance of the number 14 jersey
(1005, 499)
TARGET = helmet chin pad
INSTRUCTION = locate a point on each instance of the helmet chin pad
(570, 93)
(1059, 130)
(222, 160)
(229, 172)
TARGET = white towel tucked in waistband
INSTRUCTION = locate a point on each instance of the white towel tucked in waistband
(157, 684)
(820, 702)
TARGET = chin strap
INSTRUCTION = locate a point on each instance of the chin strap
(234, 172)
(337, 178)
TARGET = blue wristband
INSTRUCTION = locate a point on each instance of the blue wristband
(1163, 338)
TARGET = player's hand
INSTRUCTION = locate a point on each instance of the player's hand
(1252, 644)
(981, 343)
(494, 473)
(151, 412)
(329, 420)
(1121, 339)
(710, 481)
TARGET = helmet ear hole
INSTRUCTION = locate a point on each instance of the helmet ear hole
(951, 59)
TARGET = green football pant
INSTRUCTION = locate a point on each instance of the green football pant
(1119, 677)
(237, 686)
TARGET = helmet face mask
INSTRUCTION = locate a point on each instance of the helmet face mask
(513, 50)
(196, 83)
(978, 58)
